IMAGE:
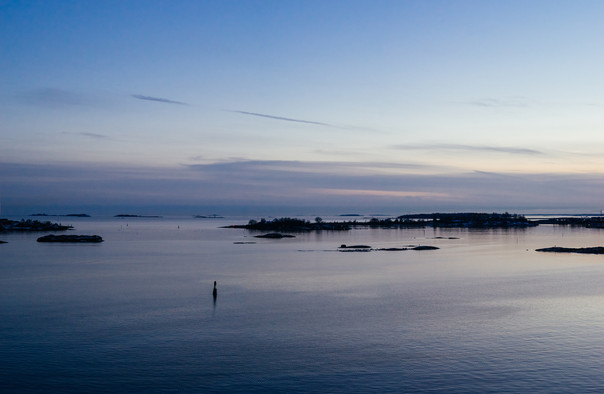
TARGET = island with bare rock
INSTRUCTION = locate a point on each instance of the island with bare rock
(275, 236)
(367, 248)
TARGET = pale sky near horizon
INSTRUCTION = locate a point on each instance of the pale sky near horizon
(400, 106)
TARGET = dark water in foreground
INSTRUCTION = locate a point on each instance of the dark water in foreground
(485, 313)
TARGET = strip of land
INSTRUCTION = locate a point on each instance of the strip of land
(589, 250)
(367, 248)
(460, 220)
(30, 225)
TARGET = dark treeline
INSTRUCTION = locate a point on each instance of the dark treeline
(473, 220)
(293, 225)
(587, 221)
(30, 225)
(467, 220)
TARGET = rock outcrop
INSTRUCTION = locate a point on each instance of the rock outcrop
(71, 238)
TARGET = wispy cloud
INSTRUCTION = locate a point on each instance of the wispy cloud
(94, 135)
(473, 148)
(282, 118)
(90, 135)
(157, 99)
(491, 102)
(282, 169)
(53, 97)
(380, 193)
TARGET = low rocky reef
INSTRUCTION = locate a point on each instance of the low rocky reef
(71, 238)
(558, 249)
(31, 225)
(275, 236)
(367, 248)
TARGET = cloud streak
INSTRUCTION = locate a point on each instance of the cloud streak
(55, 98)
(514, 102)
(157, 99)
(282, 118)
(471, 148)
(380, 193)
(96, 136)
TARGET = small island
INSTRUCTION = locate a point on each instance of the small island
(344, 246)
(367, 248)
(275, 236)
(71, 238)
(291, 225)
(588, 250)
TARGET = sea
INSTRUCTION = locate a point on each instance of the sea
(484, 313)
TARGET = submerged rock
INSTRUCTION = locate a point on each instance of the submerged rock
(71, 238)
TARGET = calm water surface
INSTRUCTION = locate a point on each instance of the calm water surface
(484, 313)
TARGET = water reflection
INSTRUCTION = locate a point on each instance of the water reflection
(485, 312)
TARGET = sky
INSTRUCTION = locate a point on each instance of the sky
(301, 106)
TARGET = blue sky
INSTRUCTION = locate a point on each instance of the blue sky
(307, 106)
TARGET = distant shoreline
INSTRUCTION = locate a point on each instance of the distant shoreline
(454, 220)
(122, 215)
(74, 215)
(589, 250)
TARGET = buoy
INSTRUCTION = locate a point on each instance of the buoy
(215, 291)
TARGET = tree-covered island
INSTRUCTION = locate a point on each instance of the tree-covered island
(461, 220)
(582, 221)
(7, 225)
